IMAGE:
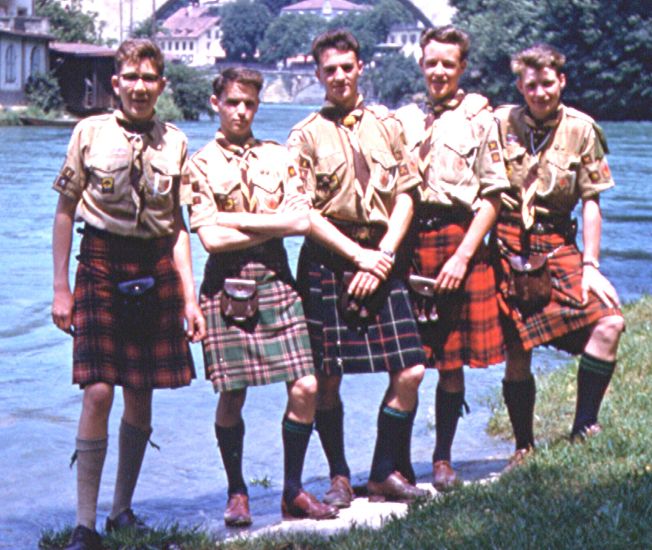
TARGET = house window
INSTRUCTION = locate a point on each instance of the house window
(183, 46)
(35, 61)
(10, 63)
(176, 45)
(191, 44)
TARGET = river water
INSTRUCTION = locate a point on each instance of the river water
(185, 482)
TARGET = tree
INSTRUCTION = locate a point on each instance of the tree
(69, 24)
(396, 79)
(191, 89)
(244, 23)
(275, 6)
(289, 35)
(43, 92)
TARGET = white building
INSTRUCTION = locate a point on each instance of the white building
(192, 35)
(23, 48)
(328, 9)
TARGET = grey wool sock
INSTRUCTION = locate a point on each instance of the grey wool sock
(131, 451)
(90, 461)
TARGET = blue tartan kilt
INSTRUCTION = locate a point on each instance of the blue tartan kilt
(388, 341)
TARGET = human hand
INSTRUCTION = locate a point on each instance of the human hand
(62, 305)
(296, 202)
(195, 322)
(596, 282)
(451, 275)
(374, 262)
(363, 284)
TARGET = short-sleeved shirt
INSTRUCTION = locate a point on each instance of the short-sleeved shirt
(325, 150)
(222, 177)
(125, 181)
(569, 167)
(458, 151)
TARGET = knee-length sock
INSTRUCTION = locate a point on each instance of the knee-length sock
(231, 441)
(296, 437)
(392, 427)
(329, 423)
(593, 377)
(448, 409)
(519, 398)
(90, 455)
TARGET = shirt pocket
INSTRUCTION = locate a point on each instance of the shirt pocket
(108, 178)
(269, 191)
(162, 178)
(227, 195)
(453, 163)
(560, 174)
(329, 173)
(384, 172)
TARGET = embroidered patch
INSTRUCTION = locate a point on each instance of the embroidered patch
(64, 177)
(291, 171)
(604, 169)
(196, 201)
(107, 185)
(493, 145)
(586, 159)
(185, 179)
(594, 176)
(511, 138)
(403, 170)
(195, 187)
(227, 203)
(304, 162)
(495, 156)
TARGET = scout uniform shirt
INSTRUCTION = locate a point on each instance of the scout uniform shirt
(552, 165)
(353, 166)
(124, 177)
(458, 150)
(225, 177)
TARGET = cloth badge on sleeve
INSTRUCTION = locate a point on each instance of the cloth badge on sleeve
(64, 177)
(586, 159)
(403, 170)
(604, 169)
(107, 185)
(196, 200)
(291, 171)
(495, 157)
(493, 145)
(594, 177)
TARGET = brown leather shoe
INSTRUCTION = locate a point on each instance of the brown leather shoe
(395, 488)
(306, 506)
(444, 478)
(518, 458)
(340, 493)
(586, 433)
(237, 511)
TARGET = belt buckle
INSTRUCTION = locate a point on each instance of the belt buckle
(538, 228)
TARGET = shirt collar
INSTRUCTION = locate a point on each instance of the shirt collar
(231, 149)
(446, 104)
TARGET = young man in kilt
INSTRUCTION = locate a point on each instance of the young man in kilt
(134, 283)
(555, 157)
(246, 196)
(353, 162)
(456, 145)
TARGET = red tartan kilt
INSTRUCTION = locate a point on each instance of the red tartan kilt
(565, 322)
(468, 330)
(148, 350)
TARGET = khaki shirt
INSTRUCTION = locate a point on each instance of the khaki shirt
(571, 166)
(100, 173)
(221, 180)
(459, 154)
(323, 150)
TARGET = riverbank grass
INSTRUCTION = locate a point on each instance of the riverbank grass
(595, 494)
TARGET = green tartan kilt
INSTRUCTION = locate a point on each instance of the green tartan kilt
(275, 347)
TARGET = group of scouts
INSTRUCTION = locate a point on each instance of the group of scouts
(433, 239)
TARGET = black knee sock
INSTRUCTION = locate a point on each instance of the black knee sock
(391, 423)
(329, 423)
(230, 441)
(519, 399)
(593, 377)
(296, 437)
(404, 450)
(448, 409)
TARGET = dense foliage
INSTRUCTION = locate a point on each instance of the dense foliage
(43, 92)
(289, 36)
(191, 89)
(396, 79)
(244, 23)
(69, 24)
(606, 42)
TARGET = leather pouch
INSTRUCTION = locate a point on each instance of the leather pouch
(357, 311)
(423, 298)
(136, 304)
(530, 283)
(239, 300)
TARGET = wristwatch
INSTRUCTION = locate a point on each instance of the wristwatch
(391, 255)
(593, 263)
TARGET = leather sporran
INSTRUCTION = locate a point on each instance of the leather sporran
(239, 300)
(423, 298)
(530, 284)
(354, 310)
(135, 305)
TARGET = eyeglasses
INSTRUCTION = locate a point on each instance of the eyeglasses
(133, 78)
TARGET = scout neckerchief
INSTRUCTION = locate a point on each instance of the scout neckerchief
(349, 121)
(436, 109)
(538, 136)
(240, 151)
(138, 134)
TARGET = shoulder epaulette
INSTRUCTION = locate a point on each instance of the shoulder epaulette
(310, 118)
(574, 113)
(474, 104)
(380, 111)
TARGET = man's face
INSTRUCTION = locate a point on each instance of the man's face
(442, 68)
(541, 89)
(138, 86)
(338, 71)
(236, 106)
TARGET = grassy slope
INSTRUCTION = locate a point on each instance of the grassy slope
(593, 495)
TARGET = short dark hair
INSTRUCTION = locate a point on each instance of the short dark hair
(338, 39)
(538, 56)
(135, 50)
(242, 75)
(448, 34)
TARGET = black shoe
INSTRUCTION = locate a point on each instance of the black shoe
(83, 538)
(126, 520)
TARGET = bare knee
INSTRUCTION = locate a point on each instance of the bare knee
(408, 380)
(609, 329)
(98, 399)
(302, 397)
(304, 389)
